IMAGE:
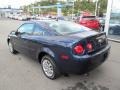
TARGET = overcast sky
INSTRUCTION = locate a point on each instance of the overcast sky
(116, 4)
(18, 3)
(15, 3)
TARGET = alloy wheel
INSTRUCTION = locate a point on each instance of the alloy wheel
(48, 68)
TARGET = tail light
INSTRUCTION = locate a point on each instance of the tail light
(89, 47)
(78, 49)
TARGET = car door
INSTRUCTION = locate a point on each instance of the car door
(37, 41)
(22, 37)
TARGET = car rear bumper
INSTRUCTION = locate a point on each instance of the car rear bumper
(83, 64)
(95, 27)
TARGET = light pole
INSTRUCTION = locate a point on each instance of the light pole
(71, 2)
(96, 7)
(39, 10)
(59, 10)
(28, 9)
(73, 9)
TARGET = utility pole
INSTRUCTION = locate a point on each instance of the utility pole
(39, 10)
(28, 10)
(109, 9)
(33, 10)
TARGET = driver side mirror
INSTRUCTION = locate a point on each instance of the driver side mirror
(16, 33)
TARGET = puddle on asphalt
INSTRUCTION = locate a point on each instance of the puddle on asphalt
(84, 85)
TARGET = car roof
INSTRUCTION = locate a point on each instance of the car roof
(46, 21)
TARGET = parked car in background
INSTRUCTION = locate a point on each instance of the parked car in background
(102, 22)
(10, 16)
(60, 18)
(60, 46)
(33, 17)
(24, 17)
(114, 27)
(16, 17)
(89, 21)
(42, 18)
(20, 17)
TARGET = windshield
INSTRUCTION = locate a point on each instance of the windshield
(64, 27)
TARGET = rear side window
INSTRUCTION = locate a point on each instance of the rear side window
(26, 28)
(89, 17)
(38, 31)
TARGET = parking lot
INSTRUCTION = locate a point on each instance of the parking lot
(18, 72)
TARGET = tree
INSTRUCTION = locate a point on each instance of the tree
(79, 5)
(103, 6)
(84, 5)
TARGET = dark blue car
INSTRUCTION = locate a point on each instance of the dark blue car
(61, 47)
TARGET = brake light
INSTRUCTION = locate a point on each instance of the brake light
(78, 49)
(89, 47)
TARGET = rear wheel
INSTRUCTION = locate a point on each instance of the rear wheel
(49, 67)
(11, 48)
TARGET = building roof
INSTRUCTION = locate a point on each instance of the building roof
(10, 10)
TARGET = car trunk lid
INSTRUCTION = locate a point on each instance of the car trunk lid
(98, 40)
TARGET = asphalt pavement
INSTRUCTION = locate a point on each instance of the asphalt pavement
(19, 72)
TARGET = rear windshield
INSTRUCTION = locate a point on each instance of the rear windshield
(89, 17)
(64, 27)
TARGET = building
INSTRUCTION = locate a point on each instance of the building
(5, 12)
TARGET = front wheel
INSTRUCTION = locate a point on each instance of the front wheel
(49, 67)
(111, 31)
(11, 49)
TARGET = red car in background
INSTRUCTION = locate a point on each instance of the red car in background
(89, 21)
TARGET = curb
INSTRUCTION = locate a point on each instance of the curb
(114, 40)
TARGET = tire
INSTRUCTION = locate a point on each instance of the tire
(49, 68)
(111, 32)
(11, 48)
(102, 28)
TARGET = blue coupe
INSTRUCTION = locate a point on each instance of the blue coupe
(61, 47)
